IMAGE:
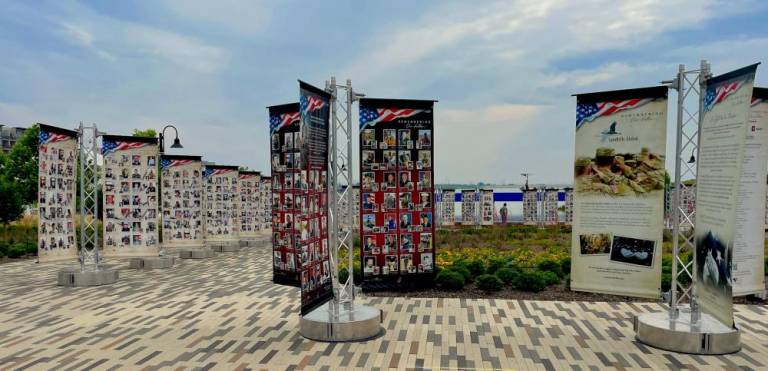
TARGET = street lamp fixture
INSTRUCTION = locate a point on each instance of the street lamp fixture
(176, 141)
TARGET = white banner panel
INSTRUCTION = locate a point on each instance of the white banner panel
(130, 196)
(57, 153)
(486, 207)
(182, 197)
(721, 155)
(749, 249)
(222, 200)
(251, 218)
(468, 210)
(448, 208)
(619, 192)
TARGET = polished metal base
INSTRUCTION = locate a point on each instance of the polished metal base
(361, 323)
(198, 253)
(74, 277)
(708, 336)
(152, 262)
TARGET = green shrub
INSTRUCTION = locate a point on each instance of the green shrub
(343, 274)
(530, 280)
(489, 282)
(17, 250)
(666, 281)
(463, 270)
(495, 264)
(508, 275)
(551, 266)
(449, 279)
(565, 265)
(476, 267)
(550, 278)
(3, 249)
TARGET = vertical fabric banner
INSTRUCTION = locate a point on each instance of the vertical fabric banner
(749, 249)
(311, 196)
(449, 208)
(250, 188)
(222, 203)
(284, 121)
(722, 139)
(57, 153)
(130, 196)
(181, 189)
(619, 192)
(396, 192)
(468, 210)
(486, 207)
(266, 203)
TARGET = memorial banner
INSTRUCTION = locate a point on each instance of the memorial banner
(181, 204)
(250, 208)
(310, 189)
(396, 194)
(722, 139)
(130, 196)
(749, 249)
(448, 208)
(57, 154)
(619, 192)
(486, 207)
(222, 203)
(284, 121)
(468, 208)
(266, 203)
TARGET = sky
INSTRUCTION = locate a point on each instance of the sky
(502, 71)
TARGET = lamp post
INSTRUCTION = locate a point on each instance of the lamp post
(176, 141)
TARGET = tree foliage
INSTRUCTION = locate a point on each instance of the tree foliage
(20, 166)
(146, 133)
(11, 205)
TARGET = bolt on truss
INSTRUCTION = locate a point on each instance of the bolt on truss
(689, 86)
(89, 257)
(340, 192)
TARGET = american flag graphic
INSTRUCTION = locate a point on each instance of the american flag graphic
(718, 93)
(110, 146)
(47, 138)
(246, 176)
(590, 111)
(310, 104)
(166, 163)
(756, 101)
(372, 116)
(211, 172)
(277, 122)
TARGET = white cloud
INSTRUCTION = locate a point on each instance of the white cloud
(246, 18)
(181, 50)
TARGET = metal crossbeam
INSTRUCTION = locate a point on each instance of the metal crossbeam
(89, 257)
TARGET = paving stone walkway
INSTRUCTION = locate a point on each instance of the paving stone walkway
(224, 313)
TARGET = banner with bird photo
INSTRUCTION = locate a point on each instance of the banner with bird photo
(57, 153)
(618, 205)
(722, 139)
(749, 249)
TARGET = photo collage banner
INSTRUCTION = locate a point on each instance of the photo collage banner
(468, 208)
(182, 197)
(222, 211)
(250, 198)
(748, 251)
(310, 199)
(57, 153)
(396, 196)
(130, 196)
(722, 139)
(266, 203)
(448, 208)
(486, 207)
(619, 182)
(284, 121)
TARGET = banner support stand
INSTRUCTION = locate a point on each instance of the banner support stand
(341, 319)
(695, 333)
(91, 272)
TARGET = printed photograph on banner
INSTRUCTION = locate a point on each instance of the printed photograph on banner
(724, 128)
(619, 180)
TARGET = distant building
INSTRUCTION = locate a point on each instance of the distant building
(8, 136)
(568, 205)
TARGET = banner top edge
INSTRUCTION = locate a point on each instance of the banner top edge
(752, 68)
(314, 89)
(229, 167)
(761, 93)
(602, 96)
(129, 138)
(182, 157)
(285, 107)
(249, 172)
(57, 130)
(398, 103)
